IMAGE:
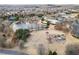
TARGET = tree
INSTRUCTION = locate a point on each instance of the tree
(31, 15)
(50, 53)
(4, 17)
(41, 49)
(22, 34)
(54, 53)
(17, 18)
(72, 49)
(42, 19)
(77, 16)
(48, 23)
(2, 41)
(21, 44)
(40, 15)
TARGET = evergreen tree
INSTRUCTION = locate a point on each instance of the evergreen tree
(22, 34)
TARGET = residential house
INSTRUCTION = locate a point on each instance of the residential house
(26, 25)
(54, 20)
(75, 28)
(11, 18)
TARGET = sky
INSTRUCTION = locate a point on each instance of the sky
(39, 1)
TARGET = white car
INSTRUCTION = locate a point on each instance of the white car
(61, 37)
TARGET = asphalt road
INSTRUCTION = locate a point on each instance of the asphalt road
(10, 52)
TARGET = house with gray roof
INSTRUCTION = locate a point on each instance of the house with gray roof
(26, 25)
(75, 28)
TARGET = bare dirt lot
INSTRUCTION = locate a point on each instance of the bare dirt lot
(40, 37)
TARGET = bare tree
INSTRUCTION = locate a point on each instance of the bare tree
(72, 49)
(41, 49)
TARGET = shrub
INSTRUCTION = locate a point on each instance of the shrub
(2, 41)
(48, 23)
(72, 49)
(42, 19)
(31, 15)
(40, 15)
(52, 53)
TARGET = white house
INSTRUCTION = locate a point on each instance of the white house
(20, 25)
(52, 21)
(26, 25)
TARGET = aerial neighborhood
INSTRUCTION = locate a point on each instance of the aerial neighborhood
(39, 29)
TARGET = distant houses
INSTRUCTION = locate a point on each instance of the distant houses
(55, 20)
